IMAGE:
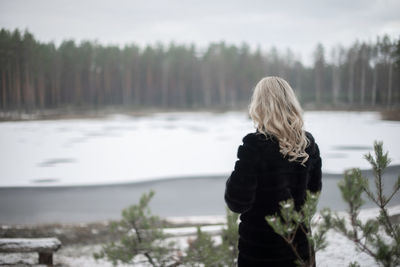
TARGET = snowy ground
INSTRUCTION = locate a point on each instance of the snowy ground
(340, 251)
(123, 148)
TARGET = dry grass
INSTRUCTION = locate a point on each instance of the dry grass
(391, 114)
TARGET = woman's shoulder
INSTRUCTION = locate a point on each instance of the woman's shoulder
(309, 135)
(310, 138)
(257, 139)
(312, 147)
(250, 138)
(253, 137)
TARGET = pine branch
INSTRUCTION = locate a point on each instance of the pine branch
(370, 195)
(289, 221)
(396, 188)
(140, 234)
(366, 237)
(146, 254)
(310, 245)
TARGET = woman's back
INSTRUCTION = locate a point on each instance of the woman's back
(261, 179)
(272, 168)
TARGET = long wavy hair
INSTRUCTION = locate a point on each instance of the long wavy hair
(276, 111)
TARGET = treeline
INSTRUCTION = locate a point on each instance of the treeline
(36, 75)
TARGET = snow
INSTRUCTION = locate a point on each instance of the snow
(122, 148)
(29, 244)
(205, 219)
(187, 231)
(339, 252)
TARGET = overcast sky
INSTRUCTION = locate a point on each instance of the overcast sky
(299, 25)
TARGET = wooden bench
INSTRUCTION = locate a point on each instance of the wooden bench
(44, 246)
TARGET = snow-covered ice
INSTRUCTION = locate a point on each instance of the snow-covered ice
(123, 148)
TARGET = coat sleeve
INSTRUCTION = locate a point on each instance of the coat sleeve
(315, 181)
(241, 185)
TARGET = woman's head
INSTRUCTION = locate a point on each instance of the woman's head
(276, 111)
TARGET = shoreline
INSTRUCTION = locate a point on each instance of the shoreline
(177, 197)
(98, 232)
(80, 241)
(90, 113)
(139, 182)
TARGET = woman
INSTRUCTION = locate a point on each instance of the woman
(278, 162)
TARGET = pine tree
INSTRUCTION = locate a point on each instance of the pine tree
(289, 221)
(203, 250)
(140, 233)
(378, 237)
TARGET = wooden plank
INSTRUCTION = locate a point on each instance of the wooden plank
(45, 245)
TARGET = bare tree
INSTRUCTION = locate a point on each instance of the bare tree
(319, 65)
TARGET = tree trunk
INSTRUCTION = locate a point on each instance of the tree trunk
(181, 88)
(363, 84)
(41, 90)
(100, 87)
(351, 84)
(222, 87)
(335, 84)
(57, 89)
(389, 95)
(318, 82)
(26, 97)
(299, 90)
(77, 89)
(3, 90)
(149, 85)
(206, 85)
(17, 85)
(137, 87)
(107, 86)
(127, 97)
(374, 86)
(164, 84)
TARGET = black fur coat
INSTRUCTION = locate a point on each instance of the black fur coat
(262, 178)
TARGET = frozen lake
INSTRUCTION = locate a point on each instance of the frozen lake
(121, 148)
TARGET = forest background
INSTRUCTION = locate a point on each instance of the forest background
(37, 76)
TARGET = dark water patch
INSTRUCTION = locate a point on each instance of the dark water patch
(222, 138)
(196, 129)
(172, 118)
(56, 161)
(117, 128)
(168, 127)
(76, 140)
(45, 180)
(64, 129)
(96, 134)
(353, 147)
(336, 155)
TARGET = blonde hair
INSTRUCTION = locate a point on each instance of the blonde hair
(276, 111)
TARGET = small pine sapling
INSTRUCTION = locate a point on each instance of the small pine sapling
(289, 221)
(140, 234)
(378, 237)
(230, 238)
(203, 250)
